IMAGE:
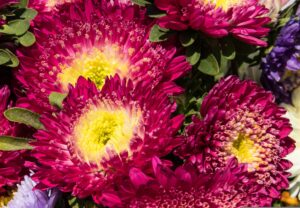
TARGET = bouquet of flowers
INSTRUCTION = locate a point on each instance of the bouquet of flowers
(149, 103)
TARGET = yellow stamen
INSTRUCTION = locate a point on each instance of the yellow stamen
(101, 128)
(52, 3)
(96, 65)
(243, 149)
(5, 198)
(224, 4)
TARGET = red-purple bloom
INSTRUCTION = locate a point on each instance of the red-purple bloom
(245, 20)
(96, 41)
(100, 135)
(184, 188)
(11, 163)
(242, 121)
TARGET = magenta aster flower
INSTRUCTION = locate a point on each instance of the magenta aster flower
(100, 135)
(245, 19)
(185, 188)
(11, 163)
(97, 41)
(242, 121)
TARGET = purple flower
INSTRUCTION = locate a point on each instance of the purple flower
(26, 197)
(281, 68)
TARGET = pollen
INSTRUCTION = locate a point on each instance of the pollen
(224, 4)
(53, 3)
(243, 149)
(100, 129)
(249, 139)
(6, 198)
(95, 65)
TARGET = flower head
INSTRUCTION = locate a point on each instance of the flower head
(242, 121)
(12, 162)
(245, 19)
(185, 188)
(98, 136)
(97, 41)
(26, 197)
(281, 72)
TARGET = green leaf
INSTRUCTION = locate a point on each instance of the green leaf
(158, 34)
(224, 67)
(29, 14)
(14, 61)
(228, 49)
(56, 99)
(4, 57)
(193, 54)
(209, 65)
(23, 3)
(141, 2)
(192, 112)
(187, 38)
(27, 39)
(7, 30)
(19, 27)
(81, 203)
(8, 143)
(24, 116)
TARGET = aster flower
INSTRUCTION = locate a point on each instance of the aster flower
(245, 20)
(26, 197)
(281, 67)
(98, 136)
(96, 41)
(242, 121)
(11, 163)
(293, 114)
(185, 188)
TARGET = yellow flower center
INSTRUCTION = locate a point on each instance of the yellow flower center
(101, 128)
(243, 149)
(224, 4)
(52, 3)
(5, 198)
(96, 65)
